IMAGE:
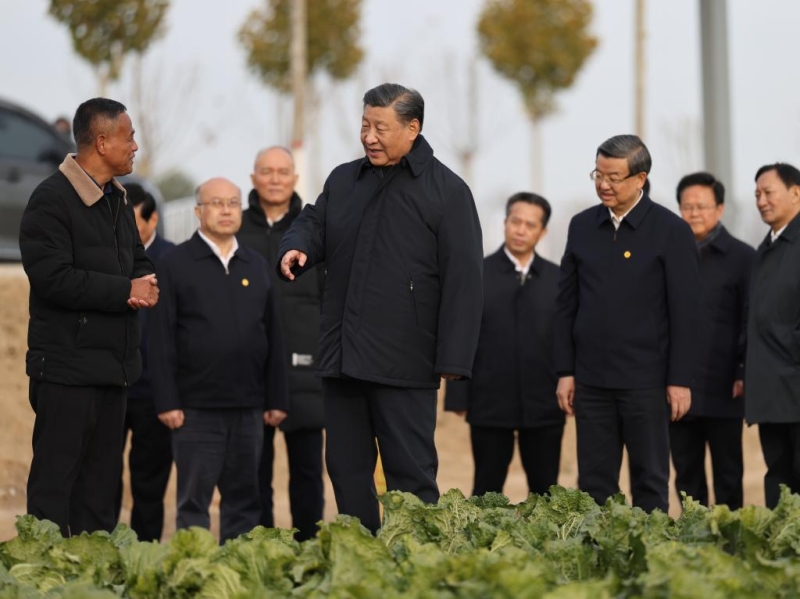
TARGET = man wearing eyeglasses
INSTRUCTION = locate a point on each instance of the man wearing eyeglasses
(625, 328)
(217, 364)
(716, 415)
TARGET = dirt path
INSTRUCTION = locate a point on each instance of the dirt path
(452, 435)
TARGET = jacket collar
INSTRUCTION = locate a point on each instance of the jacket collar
(416, 160)
(256, 213)
(536, 265)
(634, 218)
(722, 242)
(789, 235)
(199, 249)
(84, 185)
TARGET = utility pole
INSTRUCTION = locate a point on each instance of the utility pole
(640, 70)
(299, 61)
(716, 93)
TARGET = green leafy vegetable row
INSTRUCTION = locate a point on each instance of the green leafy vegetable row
(561, 545)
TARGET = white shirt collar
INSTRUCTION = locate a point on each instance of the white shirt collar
(617, 220)
(523, 269)
(150, 241)
(226, 260)
(773, 235)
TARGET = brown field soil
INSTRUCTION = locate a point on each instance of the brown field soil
(452, 436)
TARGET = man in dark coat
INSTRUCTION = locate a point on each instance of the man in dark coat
(626, 328)
(218, 365)
(88, 275)
(715, 418)
(401, 241)
(273, 207)
(150, 454)
(513, 386)
(772, 367)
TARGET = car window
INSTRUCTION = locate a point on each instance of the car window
(24, 139)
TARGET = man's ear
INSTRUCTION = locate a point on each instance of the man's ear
(413, 128)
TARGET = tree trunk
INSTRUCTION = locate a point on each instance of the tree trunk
(537, 157)
(299, 49)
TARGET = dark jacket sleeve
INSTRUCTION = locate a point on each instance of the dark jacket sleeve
(566, 310)
(460, 254)
(456, 396)
(743, 295)
(276, 386)
(682, 279)
(45, 242)
(307, 234)
(162, 343)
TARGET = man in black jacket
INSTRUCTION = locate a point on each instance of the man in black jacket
(88, 275)
(273, 207)
(715, 418)
(217, 362)
(626, 328)
(401, 241)
(513, 386)
(150, 454)
(772, 367)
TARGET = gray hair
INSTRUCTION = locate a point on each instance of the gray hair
(629, 147)
(407, 103)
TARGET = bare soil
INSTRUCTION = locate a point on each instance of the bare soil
(452, 437)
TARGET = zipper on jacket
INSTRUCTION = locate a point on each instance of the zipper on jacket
(413, 299)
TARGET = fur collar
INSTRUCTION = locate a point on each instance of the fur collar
(84, 185)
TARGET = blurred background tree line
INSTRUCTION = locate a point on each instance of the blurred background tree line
(538, 45)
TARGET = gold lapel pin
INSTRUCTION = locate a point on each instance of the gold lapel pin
(627, 254)
(245, 282)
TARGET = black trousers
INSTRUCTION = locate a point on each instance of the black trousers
(609, 419)
(77, 441)
(149, 464)
(780, 443)
(219, 448)
(688, 439)
(306, 491)
(401, 420)
(493, 449)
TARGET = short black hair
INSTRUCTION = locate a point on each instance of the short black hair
(139, 196)
(631, 148)
(786, 172)
(84, 125)
(530, 198)
(706, 180)
(407, 103)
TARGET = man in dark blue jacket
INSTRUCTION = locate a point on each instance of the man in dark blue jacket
(513, 386)
(716, 416)
(273, 207)
(150, 454)
(88, 274)
(401, 241)
(772, 365)
(217, 363)
(626, 328)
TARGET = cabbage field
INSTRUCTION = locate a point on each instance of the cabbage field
(560, 545)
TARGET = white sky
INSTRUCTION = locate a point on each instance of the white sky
(217, 124)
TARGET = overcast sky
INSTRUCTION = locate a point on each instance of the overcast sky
(219, 115)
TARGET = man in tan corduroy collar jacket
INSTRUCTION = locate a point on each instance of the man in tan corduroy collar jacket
(88, 275)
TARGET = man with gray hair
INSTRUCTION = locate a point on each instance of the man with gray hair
(401, 241)
(625, 328)
(273, 206)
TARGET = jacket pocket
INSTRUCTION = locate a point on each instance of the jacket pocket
(413, 299)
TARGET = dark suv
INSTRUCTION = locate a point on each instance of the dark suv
(30, 150)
